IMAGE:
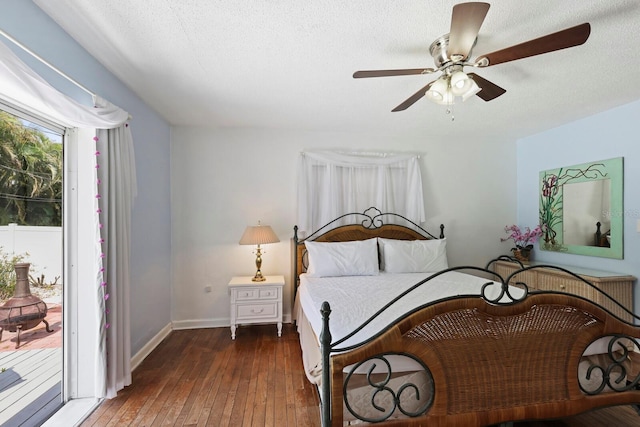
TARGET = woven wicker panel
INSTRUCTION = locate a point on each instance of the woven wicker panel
(620, 291)
(619, 288)
(505, 269)
(529, 349)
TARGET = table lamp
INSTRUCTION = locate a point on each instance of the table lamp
(258, 235)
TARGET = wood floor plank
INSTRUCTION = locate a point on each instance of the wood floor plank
(208, 360)
(281, 402)
(262, 389)
(198, 376)
(247, 418)
(234, 409)
(202, 378)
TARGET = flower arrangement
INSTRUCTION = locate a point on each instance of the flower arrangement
(523, 239)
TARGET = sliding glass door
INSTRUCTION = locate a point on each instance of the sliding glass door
(31, 244)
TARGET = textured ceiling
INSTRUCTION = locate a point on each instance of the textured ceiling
(289, 64)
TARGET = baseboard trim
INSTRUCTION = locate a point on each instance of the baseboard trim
(150, 346)
(178, 325)
(211, 323)
(200, 324)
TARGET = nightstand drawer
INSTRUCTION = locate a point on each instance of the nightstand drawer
(252, 294)
(253, 311)
(246, 294)
(268, 293)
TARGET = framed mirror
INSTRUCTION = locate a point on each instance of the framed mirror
(581, 209)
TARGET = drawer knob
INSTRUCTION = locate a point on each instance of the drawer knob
(254, 311)
(562, 287)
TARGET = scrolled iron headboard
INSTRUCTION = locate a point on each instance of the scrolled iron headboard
(362, 225)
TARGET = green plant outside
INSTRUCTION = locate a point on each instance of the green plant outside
(30, 175)
(8, 273)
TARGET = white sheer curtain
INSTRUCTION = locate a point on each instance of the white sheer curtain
(24, 88)
(115, 189)
(331, 184)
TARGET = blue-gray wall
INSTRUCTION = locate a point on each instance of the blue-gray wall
(151, 222)
(613, 133)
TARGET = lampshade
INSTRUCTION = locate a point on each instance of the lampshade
(460, 83)
(258, 235)
(438, 90)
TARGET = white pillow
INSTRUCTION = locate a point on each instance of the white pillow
(357, 258)
(413, 256)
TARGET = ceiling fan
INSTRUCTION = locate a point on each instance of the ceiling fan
(451, 54)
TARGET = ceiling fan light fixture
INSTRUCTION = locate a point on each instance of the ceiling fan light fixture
(473, 89)
(448, 98)
(460, 83)
(438, 90)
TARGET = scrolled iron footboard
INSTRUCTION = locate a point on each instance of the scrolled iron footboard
(587, 322)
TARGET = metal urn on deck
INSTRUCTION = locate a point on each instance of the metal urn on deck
(23, 311)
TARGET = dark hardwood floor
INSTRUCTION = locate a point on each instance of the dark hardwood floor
(203, 378)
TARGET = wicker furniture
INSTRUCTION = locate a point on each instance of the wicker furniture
(618, 286)
(484, 361)
(496, 364)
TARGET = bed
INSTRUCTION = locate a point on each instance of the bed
(409, 340)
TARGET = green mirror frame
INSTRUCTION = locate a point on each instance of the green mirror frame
(551, 206)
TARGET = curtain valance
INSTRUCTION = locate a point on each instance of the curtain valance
(23, 87)
(331, 184)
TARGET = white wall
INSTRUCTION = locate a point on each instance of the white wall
(599, 137)
(224, 180)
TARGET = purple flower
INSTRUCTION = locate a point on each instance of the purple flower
(522, 238)
(549, 186)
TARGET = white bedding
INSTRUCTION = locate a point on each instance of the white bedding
(354, 299)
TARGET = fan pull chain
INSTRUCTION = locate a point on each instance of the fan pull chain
(450, 111)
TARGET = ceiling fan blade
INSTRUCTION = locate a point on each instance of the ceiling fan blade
(489, 90)
(466, 20)
(387, 73)
(569, 37)
(412, 99)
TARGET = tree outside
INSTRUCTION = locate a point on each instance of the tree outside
(30, 175)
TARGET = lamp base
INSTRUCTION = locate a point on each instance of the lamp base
(258, 277)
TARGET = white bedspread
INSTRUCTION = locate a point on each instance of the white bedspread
(354, 299)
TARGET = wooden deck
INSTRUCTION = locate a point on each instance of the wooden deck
(30, 381)
(30, 385)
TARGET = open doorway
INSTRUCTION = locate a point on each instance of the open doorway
(31, 235)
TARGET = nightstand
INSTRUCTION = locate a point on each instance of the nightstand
(256, 302)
